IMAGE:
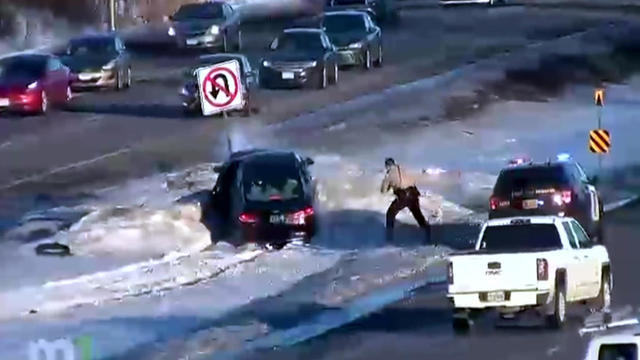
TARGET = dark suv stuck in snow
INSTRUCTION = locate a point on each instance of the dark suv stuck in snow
(266, 197)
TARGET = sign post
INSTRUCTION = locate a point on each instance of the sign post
(220, 87)
(599, 139)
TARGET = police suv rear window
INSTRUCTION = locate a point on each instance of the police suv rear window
(618, 352)
(518, 238)
(530, 178)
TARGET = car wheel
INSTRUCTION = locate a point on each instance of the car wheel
(322, 82)
(44, 102)
(127, 84)
(246, 110)
(335, 73)
(366, 64)
(239, 44)
(69, 94)
(118, 85)
(379, 60)
(460, 322)
(603, 301)
(557, 319)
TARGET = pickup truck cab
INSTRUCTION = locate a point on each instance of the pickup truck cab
(539, 263)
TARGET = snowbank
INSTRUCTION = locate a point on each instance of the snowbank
(171, 271)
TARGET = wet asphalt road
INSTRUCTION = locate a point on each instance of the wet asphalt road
(419, 327)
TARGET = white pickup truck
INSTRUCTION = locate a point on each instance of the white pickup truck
(538, 263)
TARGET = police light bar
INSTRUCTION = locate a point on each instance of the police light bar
(519, 161)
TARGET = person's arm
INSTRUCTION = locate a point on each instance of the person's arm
(384, 187)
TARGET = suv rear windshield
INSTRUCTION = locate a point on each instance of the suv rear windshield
(518, 238)
(530, 178)
(264, 182)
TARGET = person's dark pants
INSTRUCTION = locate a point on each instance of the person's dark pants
(407, 198)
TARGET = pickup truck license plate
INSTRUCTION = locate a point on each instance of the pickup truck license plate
(276, 219)
(192, 41)
(287, 75)
(530, 204)
(495, 296)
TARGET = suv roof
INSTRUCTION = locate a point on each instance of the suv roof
(252, 154)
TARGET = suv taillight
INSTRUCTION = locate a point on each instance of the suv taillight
(566, 196)
(543, 269)
(299, 217)
(248, 218)
(494, 202)
(450, 273)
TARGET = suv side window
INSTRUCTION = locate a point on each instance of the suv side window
(581, 235)
(582, 176)
(572, 238)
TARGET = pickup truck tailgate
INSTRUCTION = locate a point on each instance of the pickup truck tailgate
(480, 273)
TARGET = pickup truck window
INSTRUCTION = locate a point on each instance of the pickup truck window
(618, 352)
(582, 237)
(519, 238)
(572, 239)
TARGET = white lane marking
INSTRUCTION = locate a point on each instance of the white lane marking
(5, 144)
(63, 168)
(618, 204)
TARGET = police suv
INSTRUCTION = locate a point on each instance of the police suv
(559, 188)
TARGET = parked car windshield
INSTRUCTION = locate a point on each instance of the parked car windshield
(92, 46)
(299, 41)
(22, 68)
(343, 23)
(517, 238)
(199, 11)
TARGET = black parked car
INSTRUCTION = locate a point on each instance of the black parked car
(206, 25)
(98, 61)
(358, 39)
(189, 92)
(553, 188)
(380, 10)
(300, 57)
(265, 196)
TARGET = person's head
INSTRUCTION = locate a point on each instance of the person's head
(388, 163)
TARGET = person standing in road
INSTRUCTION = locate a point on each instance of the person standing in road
(407, 195)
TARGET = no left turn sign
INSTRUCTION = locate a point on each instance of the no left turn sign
(220, 87)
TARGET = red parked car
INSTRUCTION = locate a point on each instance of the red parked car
(32, 83)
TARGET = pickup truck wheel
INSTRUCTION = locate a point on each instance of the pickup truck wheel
(460, 325)
(603, 301)
(557, 319)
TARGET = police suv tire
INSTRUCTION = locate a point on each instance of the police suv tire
(557, 319)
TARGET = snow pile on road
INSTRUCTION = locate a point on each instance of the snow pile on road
(132, 232)
(153, 276)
